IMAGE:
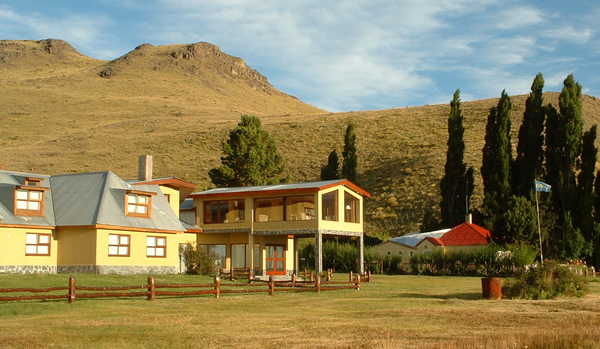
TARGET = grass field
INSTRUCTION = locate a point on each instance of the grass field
(390, 312)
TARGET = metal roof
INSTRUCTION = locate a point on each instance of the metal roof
(8, 181)
(99, 199)
(413, 239)
(281, 188)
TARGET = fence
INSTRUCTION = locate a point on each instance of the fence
(152, 289)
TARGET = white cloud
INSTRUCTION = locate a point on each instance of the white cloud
(569, 33)
(519, 17)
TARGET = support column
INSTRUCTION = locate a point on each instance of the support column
(361, 254)
(251, 250)
(318, 251)
(296, 258)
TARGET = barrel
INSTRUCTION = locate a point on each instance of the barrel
(492, 288)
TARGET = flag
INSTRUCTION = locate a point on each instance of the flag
(541, 186)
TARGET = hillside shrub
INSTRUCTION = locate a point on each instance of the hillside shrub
(546, 282)
(197, 261)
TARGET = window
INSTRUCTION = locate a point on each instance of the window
(29, 201)
(139, 204)
(389, 253)
(300, 208)
(400, 253)
(238, 255)
(411, 253)
(37, 244)
(118, 245)
(217, 252)
(330, 205)
(156, 246)
(268, 209)
(351, 209)
(226, 211)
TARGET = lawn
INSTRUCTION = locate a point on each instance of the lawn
(390, 312)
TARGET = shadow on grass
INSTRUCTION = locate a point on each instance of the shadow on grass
(463, 296)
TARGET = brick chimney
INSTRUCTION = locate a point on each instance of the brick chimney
(145, 168)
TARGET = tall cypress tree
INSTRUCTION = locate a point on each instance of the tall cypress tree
(330, 171)
(585, 185)
(456, 183)
(350, 163)
(564, 132)
(530, 150)
(496, 167)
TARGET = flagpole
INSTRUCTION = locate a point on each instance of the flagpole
(537, 205)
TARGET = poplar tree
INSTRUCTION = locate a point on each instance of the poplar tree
(457, 184)
(350, 163)
(331, 169)
(584, 204)
(528, 165)
(250, 157)
(496, 167)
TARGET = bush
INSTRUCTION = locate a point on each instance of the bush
(197, 261)
(546, 282)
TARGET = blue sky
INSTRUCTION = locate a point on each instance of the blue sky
(347, 55)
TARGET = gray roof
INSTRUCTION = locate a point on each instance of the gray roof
(99, 198)
(8, 181)
(413, 239)
(274, 187)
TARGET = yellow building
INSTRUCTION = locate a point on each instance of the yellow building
(258, 227)
(91, 222)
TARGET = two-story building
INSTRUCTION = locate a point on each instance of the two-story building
(258, 227)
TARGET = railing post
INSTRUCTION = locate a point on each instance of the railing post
(72, 289)
(231, 274)
(250, 276)
(381, 270)
(304, 274)
(368, 276)
(318, 284)
(312, 276)
(271, 285)
(351, 278)
(217, 287)
(293, 280)
(328, 275)
(358, 282)
(151, 288)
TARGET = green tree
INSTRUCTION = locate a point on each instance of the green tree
(520, 222)
(496, 167)
(350, 163)
(585, 184)
(331, 170)
(564, 132)
(250, 157)
(528, 165)
(457, 184)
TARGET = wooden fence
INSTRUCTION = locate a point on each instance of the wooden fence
(152, 289)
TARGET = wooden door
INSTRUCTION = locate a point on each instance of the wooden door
(275, 260)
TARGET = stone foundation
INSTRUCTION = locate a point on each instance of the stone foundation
(87, 269)
(28, 269)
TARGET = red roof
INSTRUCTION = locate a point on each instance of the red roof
(466, 234)
(434, 241)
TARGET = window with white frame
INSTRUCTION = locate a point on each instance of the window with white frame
(118, 245)
(29, 202)
(139, 204)
(156, 246)
(37, 244)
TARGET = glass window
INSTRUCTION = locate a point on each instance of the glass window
(218, 252)
(118, 245)
(156, 246)
(330, 206)
(226, 211)
(138, 205)
(300, 208)
(37, 244)
(29, 202)
(268, 209)
(351, 209)
(238, 256)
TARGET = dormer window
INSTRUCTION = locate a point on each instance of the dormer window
(29, 201)
(139, 204)
(33, 182)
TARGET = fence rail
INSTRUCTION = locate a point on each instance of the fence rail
(152, 289)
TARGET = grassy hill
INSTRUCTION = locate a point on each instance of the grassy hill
(63, 112)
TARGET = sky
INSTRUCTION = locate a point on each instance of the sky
(346, 55)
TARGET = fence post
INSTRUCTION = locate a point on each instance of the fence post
(293, 280)
(328, 275)
(151, 288)
(312, 276)
(368, 276)
(231, 274)
(318, 284)
(351, 278)
(217, 287)
(72, 289)
(271, 285)
(305, 274)
(381, 270)
(358, 282)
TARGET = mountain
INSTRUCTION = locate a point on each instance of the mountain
(63, 112)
